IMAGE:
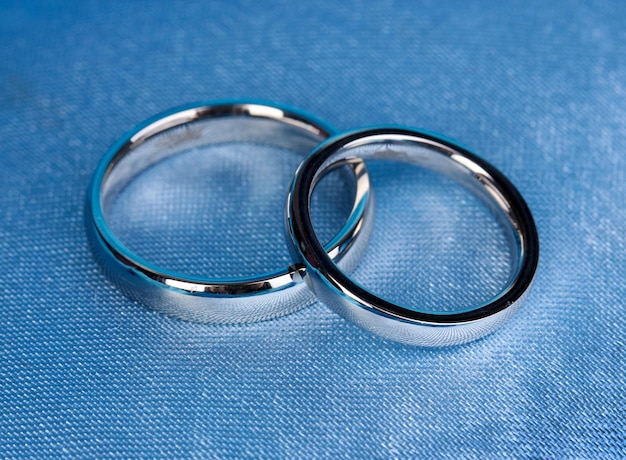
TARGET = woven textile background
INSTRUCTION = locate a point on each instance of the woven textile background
(536, 88)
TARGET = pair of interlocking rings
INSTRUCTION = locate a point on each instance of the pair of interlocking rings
(319, 271)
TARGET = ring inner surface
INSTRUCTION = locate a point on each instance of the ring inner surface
(206, 198)
(435, 246)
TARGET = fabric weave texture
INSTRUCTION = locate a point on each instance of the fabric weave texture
(536, 88)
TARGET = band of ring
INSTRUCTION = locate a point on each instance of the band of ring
(390, 320)
(230, 300)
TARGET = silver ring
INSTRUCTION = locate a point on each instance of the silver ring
(231, 300)
(392, 321)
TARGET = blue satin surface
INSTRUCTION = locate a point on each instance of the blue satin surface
(537, 89)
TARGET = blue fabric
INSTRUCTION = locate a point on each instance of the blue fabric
(536, 88)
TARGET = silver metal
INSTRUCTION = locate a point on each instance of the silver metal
(230, 300)
(392, 321)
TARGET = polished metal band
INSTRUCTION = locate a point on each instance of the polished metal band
(233, 300)
(412, 326)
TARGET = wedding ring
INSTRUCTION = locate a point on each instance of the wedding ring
(229, 300)
(335, 288)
